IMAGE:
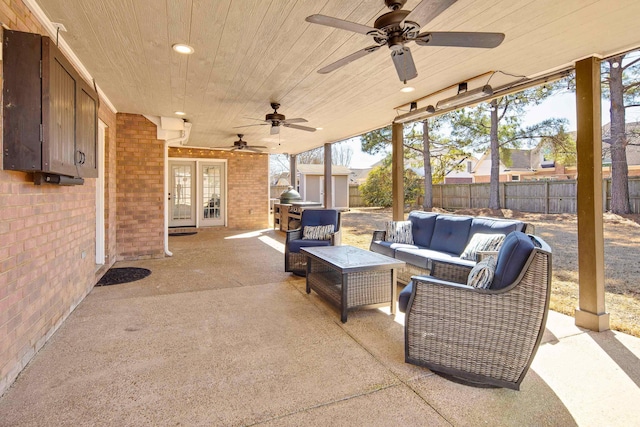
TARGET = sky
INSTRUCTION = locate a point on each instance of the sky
(560, 105)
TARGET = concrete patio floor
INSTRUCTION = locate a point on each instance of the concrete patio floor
(218, 334)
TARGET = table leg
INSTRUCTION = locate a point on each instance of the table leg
(394, 290)
(308, 272)
(344, 304)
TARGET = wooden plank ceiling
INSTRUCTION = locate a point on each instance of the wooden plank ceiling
(249, 53)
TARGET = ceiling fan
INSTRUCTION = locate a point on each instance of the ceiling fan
(398, 27)
(242, 145)
(276, 120)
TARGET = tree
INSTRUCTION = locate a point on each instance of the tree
(621, 85)
(376, 191)
(498, 125)
(424, 147)
(341, 155)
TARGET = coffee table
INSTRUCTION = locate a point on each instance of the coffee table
(351, 277)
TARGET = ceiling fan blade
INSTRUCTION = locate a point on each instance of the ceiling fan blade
(405, 66)
(347, 59)
(341, 24)
(246, 126)
(274, 130)
(460, 39)
(307, 128)
(428, 10)
(296, 120)
(253, 148)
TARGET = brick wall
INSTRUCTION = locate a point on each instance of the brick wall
(47, 245)
(139, 189)
(247, 185)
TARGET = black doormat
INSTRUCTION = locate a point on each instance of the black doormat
(186, 233)
(116, 276)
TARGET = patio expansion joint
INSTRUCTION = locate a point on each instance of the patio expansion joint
(325, 404)
(400, 381)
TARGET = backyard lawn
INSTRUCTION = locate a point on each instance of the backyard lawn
(622, 253)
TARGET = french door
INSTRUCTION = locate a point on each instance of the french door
(198, 193)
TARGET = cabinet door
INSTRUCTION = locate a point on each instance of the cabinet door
(86, 122)
(58, 112)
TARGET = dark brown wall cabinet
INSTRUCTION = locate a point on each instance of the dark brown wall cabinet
(50, 119)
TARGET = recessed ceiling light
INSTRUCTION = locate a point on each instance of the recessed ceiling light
(319, 128)
(180, 113)
(183, 48)
(407, 89)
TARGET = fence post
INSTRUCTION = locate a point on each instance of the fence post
(503, 196)
(546, 197)
(468, 196)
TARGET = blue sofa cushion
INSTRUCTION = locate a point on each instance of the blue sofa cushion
(422, 224)
(403, 298)
(295, 245)
(388, 248)
(315, 217)
(512, 257)
(495, 226)
(451, 234)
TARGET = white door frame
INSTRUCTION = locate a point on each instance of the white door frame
(100, 223)
(200, 206)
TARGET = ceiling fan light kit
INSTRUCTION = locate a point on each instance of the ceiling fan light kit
(399, 27)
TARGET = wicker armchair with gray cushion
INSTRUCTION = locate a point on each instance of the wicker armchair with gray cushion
(318, 227)
(485, 335)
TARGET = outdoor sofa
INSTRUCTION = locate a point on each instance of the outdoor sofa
(427, 236)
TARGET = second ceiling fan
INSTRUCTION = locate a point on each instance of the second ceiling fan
(398, 27)
(276, 120)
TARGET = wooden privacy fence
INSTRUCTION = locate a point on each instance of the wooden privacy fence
(551, 197)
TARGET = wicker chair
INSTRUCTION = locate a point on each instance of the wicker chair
(482, 337)
(294, 261)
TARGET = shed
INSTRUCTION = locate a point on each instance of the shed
(311, 184)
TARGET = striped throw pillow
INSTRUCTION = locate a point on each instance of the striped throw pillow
(481, 275)
(399, 232)
(318, 232)
(482, 242)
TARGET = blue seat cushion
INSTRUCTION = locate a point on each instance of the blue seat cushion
(295, 245)
(403, 298)
(512, 257)
(451, 234)
(388, 248)
(422, 224)
(422, 257)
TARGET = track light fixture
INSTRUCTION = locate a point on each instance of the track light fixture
(465, 95)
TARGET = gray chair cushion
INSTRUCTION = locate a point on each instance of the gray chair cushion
(422, 225)
(451, 234)
(512, 257)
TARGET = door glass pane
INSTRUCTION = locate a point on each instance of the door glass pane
(182, 192)
(211, 190)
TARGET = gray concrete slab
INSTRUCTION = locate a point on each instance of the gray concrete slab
(220, 335)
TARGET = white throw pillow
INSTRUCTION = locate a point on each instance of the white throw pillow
(481, 275)
(399, 232)
(318, 232)
(482, 242)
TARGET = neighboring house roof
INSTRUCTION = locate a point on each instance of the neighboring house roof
(359, 176)
(633, 143)
(319, 170)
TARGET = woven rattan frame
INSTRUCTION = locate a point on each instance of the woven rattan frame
(482, 337)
